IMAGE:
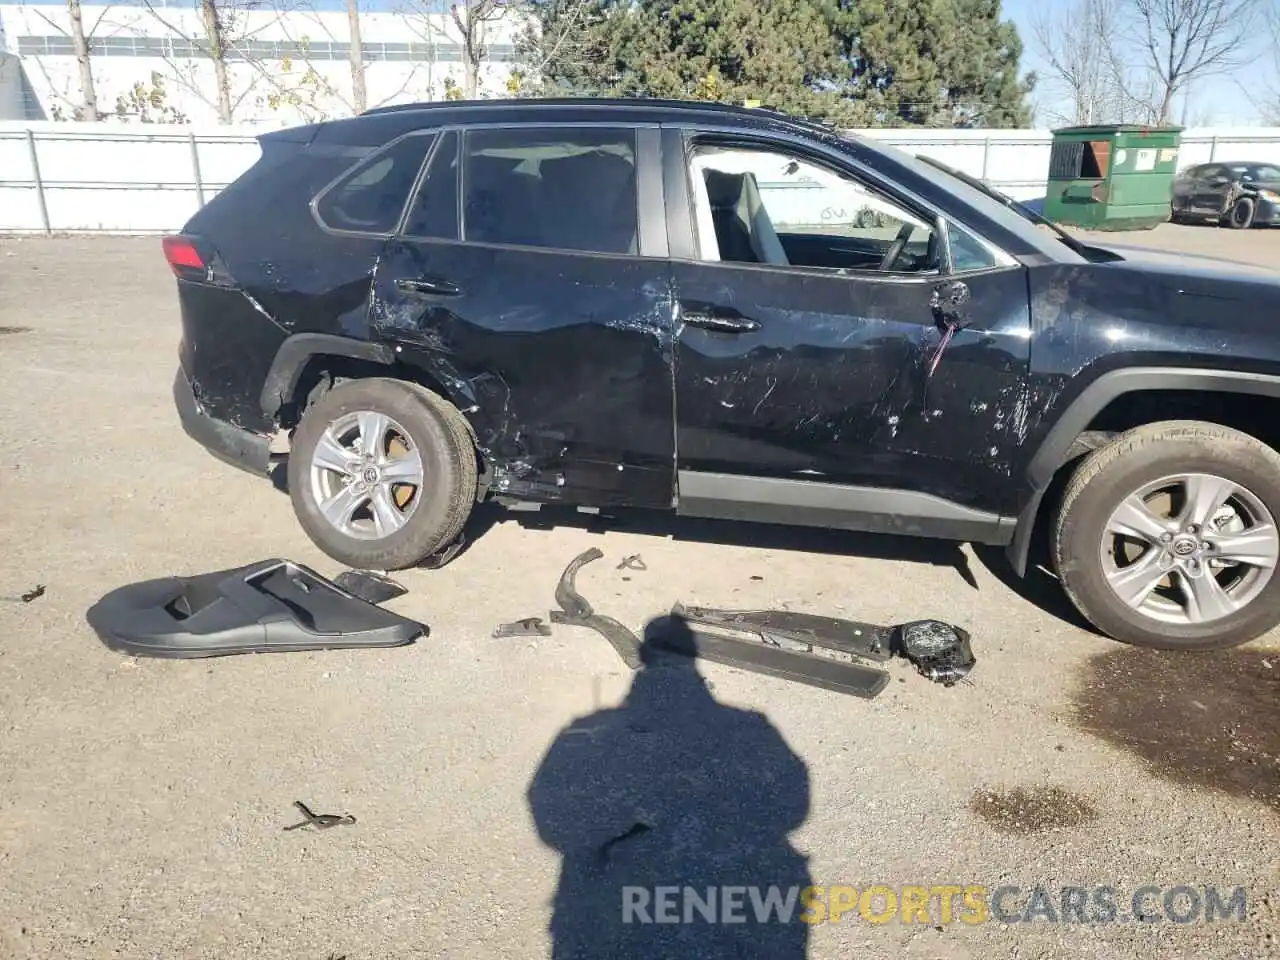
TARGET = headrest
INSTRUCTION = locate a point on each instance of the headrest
(723, 189)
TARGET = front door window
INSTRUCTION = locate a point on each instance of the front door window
(764, 207)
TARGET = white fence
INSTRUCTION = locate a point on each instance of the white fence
(68, 177)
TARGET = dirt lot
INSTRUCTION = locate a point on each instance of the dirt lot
(142, 802)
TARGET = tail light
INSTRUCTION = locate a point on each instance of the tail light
(184, 258)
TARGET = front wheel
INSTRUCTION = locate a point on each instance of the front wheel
(1241, 215)
(382, 474)
(1168, 538)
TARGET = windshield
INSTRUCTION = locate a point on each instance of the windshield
(1017, 219)
(1262, 172)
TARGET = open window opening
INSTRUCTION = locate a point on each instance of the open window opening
(765, 207)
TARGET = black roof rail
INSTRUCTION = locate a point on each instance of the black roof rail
(709, 106)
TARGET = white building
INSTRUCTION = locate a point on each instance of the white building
(287, 62)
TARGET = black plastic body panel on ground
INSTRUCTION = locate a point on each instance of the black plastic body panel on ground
(266, 607)
(674, 635)
(868, 640)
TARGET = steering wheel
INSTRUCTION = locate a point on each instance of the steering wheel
(899, 244)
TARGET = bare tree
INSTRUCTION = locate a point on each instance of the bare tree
(359, 93)
(88, 96)
(310, 91)
(217, 20)
(1076, 44)
(1271, 108)
(215, 29)
(85, 106)
(1184, 40)
(472, 18)
(419, 20)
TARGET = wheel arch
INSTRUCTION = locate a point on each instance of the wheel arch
(1075, 433)
(305, 361)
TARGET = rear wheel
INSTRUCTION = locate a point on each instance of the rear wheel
(1168, 537)
(382, 473)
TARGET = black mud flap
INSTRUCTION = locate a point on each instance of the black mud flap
(674, 634)
(266, 607)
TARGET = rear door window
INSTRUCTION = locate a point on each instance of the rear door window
(372, 195)
(562, 188)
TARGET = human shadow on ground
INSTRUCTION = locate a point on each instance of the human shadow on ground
(673, 789)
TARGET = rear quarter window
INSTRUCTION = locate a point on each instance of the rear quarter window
(371, 196)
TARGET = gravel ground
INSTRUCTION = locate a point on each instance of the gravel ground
(142, 802)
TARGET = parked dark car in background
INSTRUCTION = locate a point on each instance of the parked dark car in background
(1236, 195)
(725, 312)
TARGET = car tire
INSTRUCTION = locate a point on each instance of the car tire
(1111, 479)
(1241, 215)
(428, 514)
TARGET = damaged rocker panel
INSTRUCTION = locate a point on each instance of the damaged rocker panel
(812, 503)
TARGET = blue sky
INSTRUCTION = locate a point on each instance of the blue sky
(1215, 101)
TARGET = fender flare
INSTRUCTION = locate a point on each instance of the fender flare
(1055, 449)
(296, 351)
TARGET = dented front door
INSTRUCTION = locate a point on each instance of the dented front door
(826, 378)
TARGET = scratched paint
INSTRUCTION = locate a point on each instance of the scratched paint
(581, 384)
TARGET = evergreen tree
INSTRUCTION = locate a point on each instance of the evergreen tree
(858, 62)
(937, 63)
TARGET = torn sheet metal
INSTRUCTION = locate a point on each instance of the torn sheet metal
(265, 607)
(370, 586)
(35, 593)
(528, 627)
(321, 821)
(576, 612)
(445, 555)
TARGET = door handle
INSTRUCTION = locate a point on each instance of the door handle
(428, 287)
(720, 323)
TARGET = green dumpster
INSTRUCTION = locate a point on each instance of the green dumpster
(1112, 178)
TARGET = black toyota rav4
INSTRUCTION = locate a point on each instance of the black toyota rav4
(730, 313)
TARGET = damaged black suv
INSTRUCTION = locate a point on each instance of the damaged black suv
(730, 313)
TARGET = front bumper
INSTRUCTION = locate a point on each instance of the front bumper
(241, 448)
(1266, 214)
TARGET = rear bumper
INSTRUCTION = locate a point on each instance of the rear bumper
(241, 448)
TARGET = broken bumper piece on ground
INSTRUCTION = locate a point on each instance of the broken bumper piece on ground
(941, 652)
(576, 612)
(369, 586)
(748, 651)
(267, 607)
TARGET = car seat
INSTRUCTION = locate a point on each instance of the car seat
(589, 203)
(743, 228)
